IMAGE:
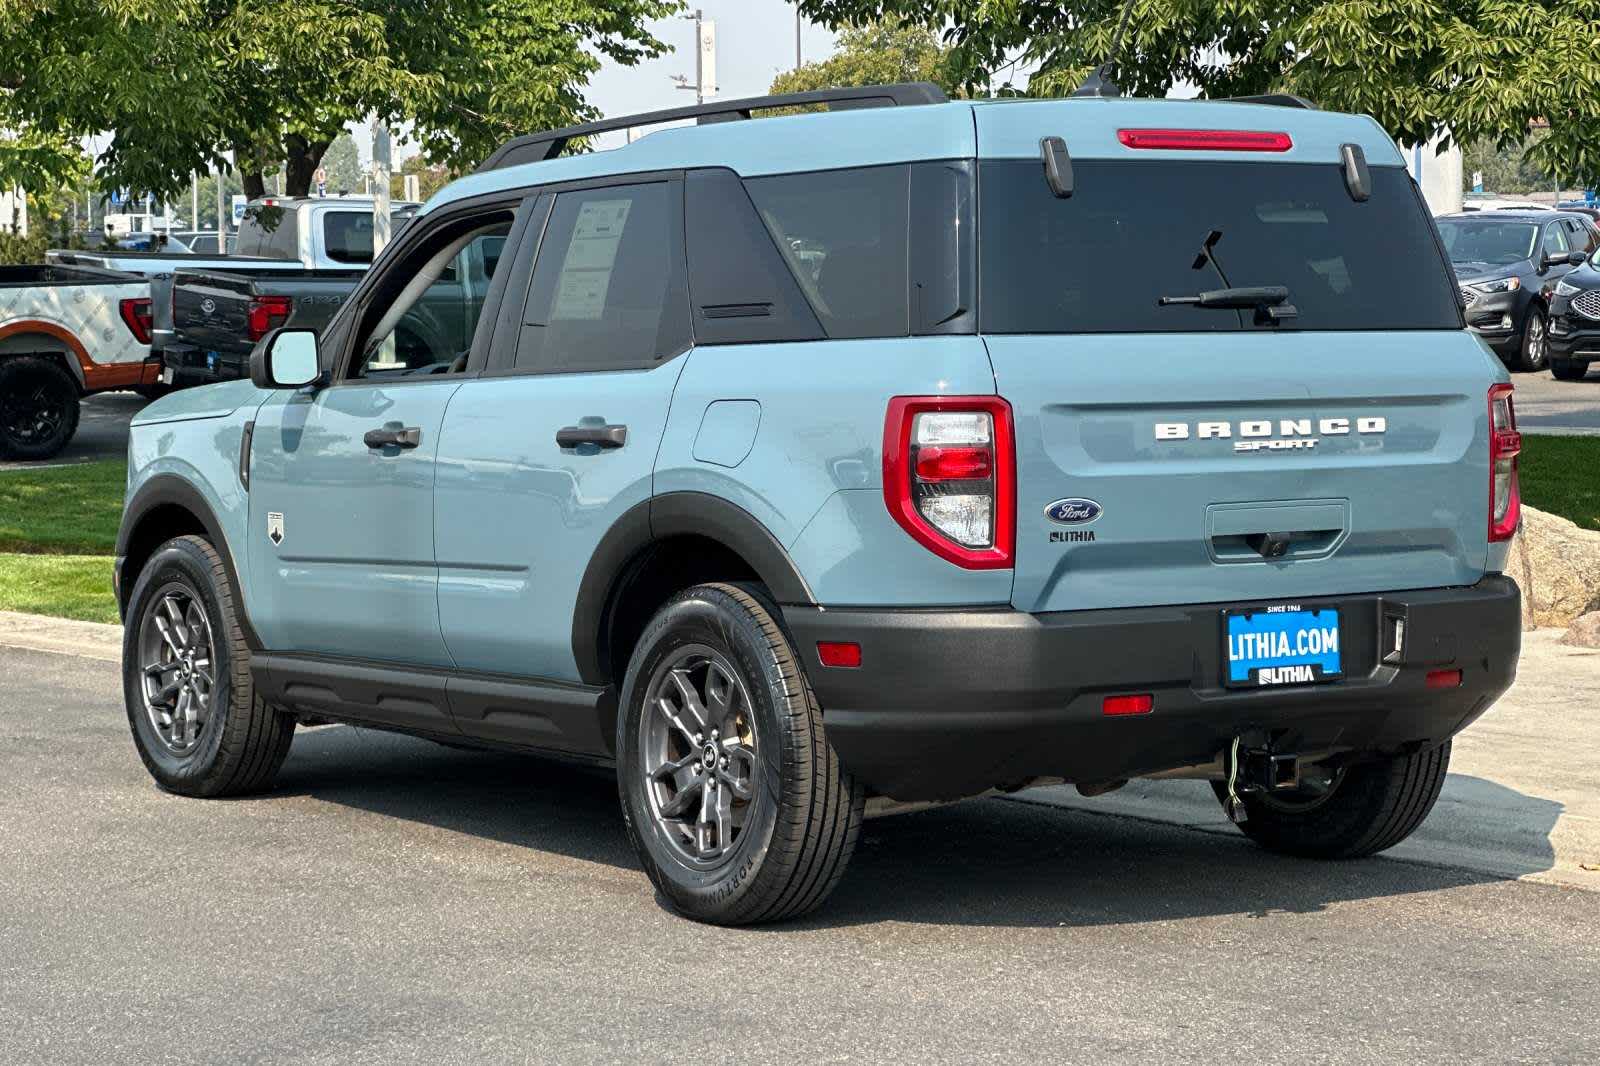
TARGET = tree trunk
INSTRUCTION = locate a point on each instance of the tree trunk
(304, 156)
(255, 185)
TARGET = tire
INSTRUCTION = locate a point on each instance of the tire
(152, 392)
(1565, 370)
(235, 740)
(38, 407)
(1535, 346)
(803, 811)
(1372, 806)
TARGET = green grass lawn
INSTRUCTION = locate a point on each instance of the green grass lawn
(1561, 475)
(58, 528)
(62, 510)
(67, 586)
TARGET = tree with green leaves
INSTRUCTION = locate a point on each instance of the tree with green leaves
(1476, 70)
(877, 53)
(342, 161)
(180, 83)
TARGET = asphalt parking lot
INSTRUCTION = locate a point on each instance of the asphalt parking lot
(395, 901)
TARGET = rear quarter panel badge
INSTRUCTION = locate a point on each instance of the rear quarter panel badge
(275, 527)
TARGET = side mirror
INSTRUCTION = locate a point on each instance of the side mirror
(286, 359)
(1577, 258)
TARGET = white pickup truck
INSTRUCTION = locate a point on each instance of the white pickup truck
(67, 332)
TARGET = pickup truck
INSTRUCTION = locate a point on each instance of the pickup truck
(217, 318)
(66, 332)
(278, 235)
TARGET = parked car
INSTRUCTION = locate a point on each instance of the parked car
(204, 242)
(1575, 322)
(66, 333)
(1508, 263)
(809, 467)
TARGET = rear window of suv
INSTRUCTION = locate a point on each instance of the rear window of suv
(1100, 260)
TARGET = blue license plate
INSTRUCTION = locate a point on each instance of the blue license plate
(1283, 645)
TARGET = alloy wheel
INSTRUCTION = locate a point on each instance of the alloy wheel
(698, 754)
(35, 415)
(177, 661)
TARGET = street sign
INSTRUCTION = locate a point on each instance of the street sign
(238, 209)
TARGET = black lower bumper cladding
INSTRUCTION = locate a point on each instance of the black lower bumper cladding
(949, 703)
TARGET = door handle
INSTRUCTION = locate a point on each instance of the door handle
(604, 436)
(393, 437)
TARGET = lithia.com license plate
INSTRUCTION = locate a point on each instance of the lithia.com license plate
(1281, 645)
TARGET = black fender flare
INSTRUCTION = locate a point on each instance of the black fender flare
(658, 518)
(170, 490)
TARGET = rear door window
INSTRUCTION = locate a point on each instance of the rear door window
(843, 233)
(1131, 233)
(608, 291)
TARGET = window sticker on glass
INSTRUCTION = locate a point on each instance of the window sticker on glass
(586, 268)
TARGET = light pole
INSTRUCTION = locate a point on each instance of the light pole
(798, 61)
(705, 58)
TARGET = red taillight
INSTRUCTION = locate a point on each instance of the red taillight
(1505, 443)
(842, 653)
(1207, 140)
(1444, 679)
(936, 463)
(136, 316)
(949, 476)
(266, 314)
(1141, 703)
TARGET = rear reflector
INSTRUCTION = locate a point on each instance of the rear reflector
(843, 653)
(1444, 678)
(935, 463)
(1143, 703)
(1207, 140)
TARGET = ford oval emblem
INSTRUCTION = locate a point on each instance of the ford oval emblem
(1073, 512)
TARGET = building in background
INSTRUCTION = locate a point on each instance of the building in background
(1438, 173)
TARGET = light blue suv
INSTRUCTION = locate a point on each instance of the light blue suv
(807, 467)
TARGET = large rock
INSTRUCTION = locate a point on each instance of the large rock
(1585, 632)
(1557, 564)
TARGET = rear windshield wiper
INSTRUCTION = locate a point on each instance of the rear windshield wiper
(1270, 302)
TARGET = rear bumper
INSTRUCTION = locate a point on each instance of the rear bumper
(185, 364)
(950, 703)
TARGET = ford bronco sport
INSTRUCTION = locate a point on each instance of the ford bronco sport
(806, 467)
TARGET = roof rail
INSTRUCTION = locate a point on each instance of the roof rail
(1274, 100)
(537, 147)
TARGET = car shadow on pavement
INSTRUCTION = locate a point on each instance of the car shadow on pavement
(995, 862)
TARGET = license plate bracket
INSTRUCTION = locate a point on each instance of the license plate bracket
(1281, 644)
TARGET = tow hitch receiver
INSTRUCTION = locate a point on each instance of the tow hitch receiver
(1249, 769)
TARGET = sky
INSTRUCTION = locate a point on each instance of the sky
(755, 42)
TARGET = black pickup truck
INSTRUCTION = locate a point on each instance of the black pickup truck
(218, 318)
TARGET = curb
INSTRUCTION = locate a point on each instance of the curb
(37, 632)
